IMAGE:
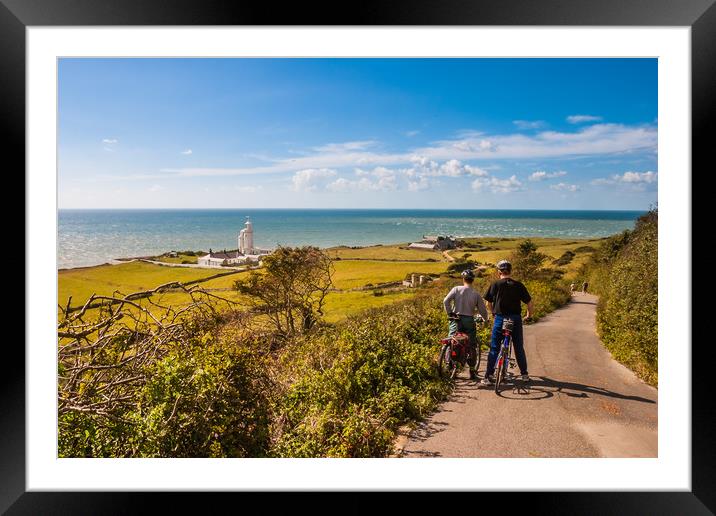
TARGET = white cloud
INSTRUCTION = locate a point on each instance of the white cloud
(345, 146)
(629, 178)
(340, 185)
(156, 188)
(308, 180)
(383, 172)
(638, 177)
(497, 185)
(452, 168)
(187, 152)
(422, 183)
(592, 140)
(110, 141)
(598, 139)
(541, 175)
(410, 134)
(386, 180)
(475, 171)
(475, 146)
(580, 119)
(248, 189)
(529, 124)
(422, 166)
(565, 187)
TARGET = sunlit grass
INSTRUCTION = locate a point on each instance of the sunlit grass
(384, 252)
(349, 274)
(126, 278)
(359, 273)
(340, 305)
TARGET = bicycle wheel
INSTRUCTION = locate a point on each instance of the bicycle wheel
(479, 357)
(447, 368)
(499, 370)
(503, 363)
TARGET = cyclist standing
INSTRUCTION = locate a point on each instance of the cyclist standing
(503, 300)
(460, 303)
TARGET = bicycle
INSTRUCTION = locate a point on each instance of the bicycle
(454, 352)
(504, 358)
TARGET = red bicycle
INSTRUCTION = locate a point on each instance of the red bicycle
(454, 351)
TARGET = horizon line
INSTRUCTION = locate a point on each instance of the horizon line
(365, 209)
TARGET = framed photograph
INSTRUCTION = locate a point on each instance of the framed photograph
(429, 248)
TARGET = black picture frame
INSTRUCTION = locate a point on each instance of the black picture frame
(700, 15)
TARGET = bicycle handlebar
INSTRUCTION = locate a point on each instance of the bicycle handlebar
(478, 318)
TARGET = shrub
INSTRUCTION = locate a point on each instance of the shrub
(460, 265)
(547, 296)
(565, 259)
(291, 289)
(209, 402)
(624, 273)
(526, 260)
(585, 249)
(355, 383)
(197, 397)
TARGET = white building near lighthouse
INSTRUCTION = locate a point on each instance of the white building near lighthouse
(246, 253)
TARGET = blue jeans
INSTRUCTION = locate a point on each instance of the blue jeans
(517, 343)
(466, 324)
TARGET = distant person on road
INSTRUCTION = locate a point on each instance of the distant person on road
(584, 287)
(503, 301)
(460, 305)
(572, 286)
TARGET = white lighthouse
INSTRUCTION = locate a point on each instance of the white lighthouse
(246, 238)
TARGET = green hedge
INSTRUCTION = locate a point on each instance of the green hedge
(624, 273)
(348, 388)
(202, 399)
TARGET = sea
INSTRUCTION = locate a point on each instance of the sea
(92, 237)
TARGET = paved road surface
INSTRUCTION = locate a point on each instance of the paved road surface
(580, 402)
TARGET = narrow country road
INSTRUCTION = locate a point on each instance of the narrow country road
(580, 402)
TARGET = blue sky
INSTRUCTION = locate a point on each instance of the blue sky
(358, 133)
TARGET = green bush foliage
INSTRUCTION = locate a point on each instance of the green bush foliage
(585, 249)
(460, 265)
(624, 273)
(565, 259)
(201, 398)
(221, 389)
(348, 388)
(547, 296)
(526, 260)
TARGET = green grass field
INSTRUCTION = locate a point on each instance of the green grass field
(385, 252)
(552, 247)
(358, 273)
(127, 278)
(369, 266)
(340, 305)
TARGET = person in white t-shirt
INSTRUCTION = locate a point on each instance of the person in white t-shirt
(460, 304)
